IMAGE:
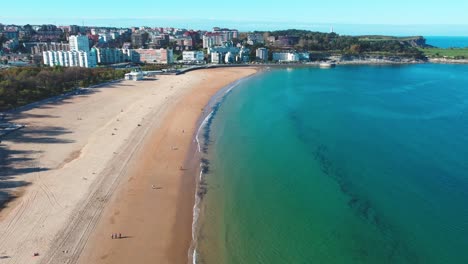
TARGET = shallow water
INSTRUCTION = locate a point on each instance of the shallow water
(356, 164)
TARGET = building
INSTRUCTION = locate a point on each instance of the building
(193, 56)
(226, 47)
(218, 37)
(304, 56)
(216, 58)
(253, 39)
(11, 34)
(161, 56)
(285, 57)
(39, 47)
(262, 54)
(229, 58)
(111, 55)
(70, 59)
(139, 39)
(244, 55)
(79, 43)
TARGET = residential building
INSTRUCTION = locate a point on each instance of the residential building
(193, 56)
(11, 34)
(79, 43)
(111, 55)
(70, 58)
(162, 56)
(253, 39)
(244, 55)
(139, 39)
(218, 37)
(285, 56)
(226, 47)
(262, 54)
(216, 57)
(39, 47)
(229, 58)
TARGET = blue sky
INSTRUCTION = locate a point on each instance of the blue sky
(398, 17)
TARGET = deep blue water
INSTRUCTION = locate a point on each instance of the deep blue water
(356, 164)
(448, 42)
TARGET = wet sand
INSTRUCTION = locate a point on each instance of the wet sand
(152, 208)
(107, 161)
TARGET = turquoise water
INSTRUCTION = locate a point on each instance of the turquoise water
(356, 164)
(448, 42)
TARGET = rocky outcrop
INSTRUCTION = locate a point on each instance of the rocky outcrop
(417, 42)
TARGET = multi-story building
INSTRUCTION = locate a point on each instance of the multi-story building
(286, 56)
(224, 48)
(111, 56)
(11, 34)
(256, 38)
(39, 47)
(262, 54)
(139, 39)
(216, 57)
(47, 33)
(162, 56)
(218, 37)
(193, 56)
(70, 58)
(79, 43)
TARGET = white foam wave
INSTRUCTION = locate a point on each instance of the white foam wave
(200, 128)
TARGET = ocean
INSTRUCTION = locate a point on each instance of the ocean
(354, 164)
(447, 42)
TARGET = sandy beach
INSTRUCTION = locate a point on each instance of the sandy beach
(106, 161)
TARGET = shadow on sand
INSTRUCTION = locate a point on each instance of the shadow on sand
(14, 164)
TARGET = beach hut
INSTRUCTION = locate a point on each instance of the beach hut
(134, 76)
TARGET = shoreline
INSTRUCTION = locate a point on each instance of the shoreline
(75, 156)
(201, 144)
(182, 192)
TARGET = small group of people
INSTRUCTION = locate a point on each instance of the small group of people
(116, 236)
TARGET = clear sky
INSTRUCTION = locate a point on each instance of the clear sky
(449, 17)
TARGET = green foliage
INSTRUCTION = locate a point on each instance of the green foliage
(21, 86)
(332, 42)
(153, 67)
(452, 53)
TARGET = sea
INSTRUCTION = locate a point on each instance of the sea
(447, 42)
(353, 164)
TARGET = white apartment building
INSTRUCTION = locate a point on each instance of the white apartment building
(70, 59)
(193, 56)
(262, 54)
(285, 56)
(111, 56)
(216, 58)
(79, 43)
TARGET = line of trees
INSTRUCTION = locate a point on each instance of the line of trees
(21, 86)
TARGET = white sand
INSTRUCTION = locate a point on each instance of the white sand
(77, 154)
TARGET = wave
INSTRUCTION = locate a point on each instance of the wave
(202, 146)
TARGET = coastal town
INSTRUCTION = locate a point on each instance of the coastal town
(155, 145)
(90, 47)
